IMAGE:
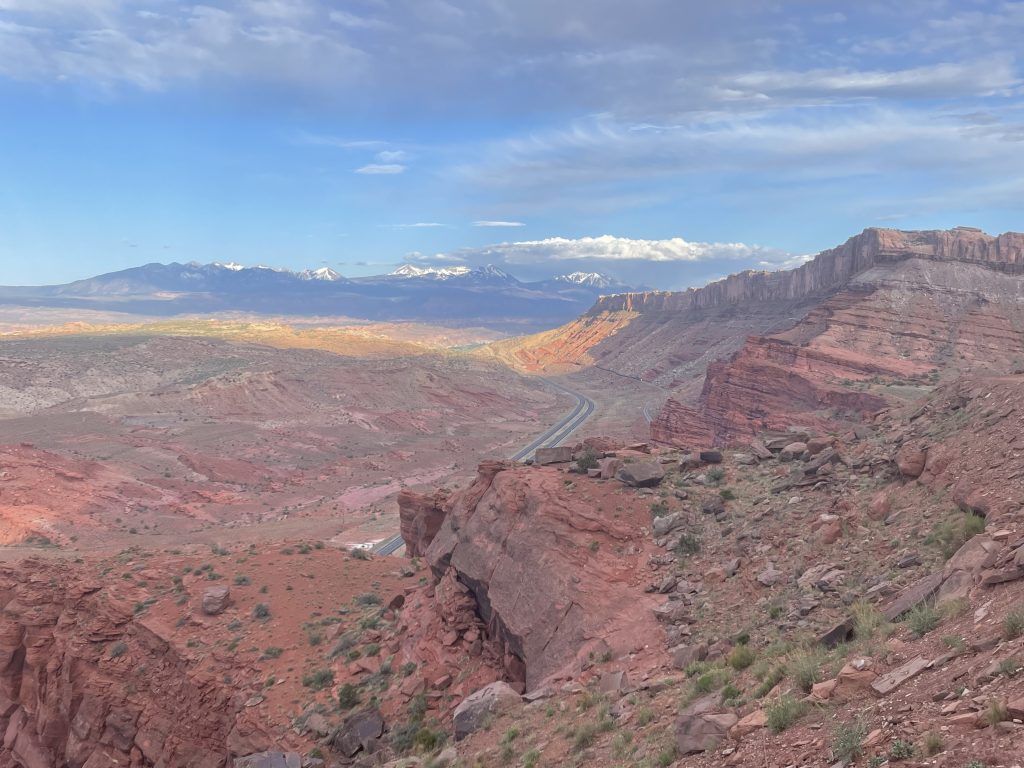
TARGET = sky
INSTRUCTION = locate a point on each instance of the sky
(664, 142)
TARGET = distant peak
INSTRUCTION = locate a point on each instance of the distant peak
(411, 270)
(591, 279)
(232, 265)
(322, 273)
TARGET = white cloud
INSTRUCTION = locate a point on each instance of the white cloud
(612, 249)
(419, 225)
(391, 155)
(485, 223)
(381, 169)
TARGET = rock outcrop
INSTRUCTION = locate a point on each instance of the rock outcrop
(84, 682)
(554, 580)
(420, 516)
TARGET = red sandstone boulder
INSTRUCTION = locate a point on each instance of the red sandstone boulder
(420, 516)
(910, 460)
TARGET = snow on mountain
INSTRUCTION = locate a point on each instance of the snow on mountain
(440, 273)
(323, 273)
(590, 279)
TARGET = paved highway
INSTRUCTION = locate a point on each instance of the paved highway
(549, 439)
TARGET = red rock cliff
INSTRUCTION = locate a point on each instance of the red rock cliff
(553, 578)
(84, 683)
(832, 269)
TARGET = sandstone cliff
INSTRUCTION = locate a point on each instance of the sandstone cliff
(555, 580)
(832, 269)
(84, 683)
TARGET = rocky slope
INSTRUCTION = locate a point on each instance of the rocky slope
(835, 338)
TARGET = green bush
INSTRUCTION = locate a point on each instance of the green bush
(848, 743)
(784, 712)
(318, 679)
(348, 696)
(1013, 624)
(741, 657)
(922, 619)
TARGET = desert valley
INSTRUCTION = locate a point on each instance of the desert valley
(511, 384)
(786, 534)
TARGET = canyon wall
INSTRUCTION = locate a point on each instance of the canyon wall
(832, 269)
(87, 683)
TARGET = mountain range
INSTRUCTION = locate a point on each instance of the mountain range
(459, 296)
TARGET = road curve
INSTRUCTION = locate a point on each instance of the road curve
(553, 436)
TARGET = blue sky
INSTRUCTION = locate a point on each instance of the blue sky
(662, 141)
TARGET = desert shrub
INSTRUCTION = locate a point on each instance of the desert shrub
(348, 696)
(901, 750)
(272, 652)
(922, 619)
(659, 509)
(1013, 624)
(954, 532)
(741, 657)
(996, 712)
(727, 494)
(688, 545)
(784, 712)
(242, 581)
(805, 668)
(933, 743)
(318, 679)
(261, 611)
(715, 475)
(587, 460)
(368, 598)
(848, 741)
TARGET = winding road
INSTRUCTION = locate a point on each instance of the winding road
(550, 438)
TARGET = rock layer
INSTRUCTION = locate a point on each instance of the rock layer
(83, 682)
(553, 579)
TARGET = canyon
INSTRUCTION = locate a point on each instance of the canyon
(815, 543)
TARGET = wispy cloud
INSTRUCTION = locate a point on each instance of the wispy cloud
(418, 225)
(380, 169)
(498, 224)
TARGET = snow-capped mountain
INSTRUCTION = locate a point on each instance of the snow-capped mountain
(589, 279)
(323, 273)
(437, 273)
(453, 295)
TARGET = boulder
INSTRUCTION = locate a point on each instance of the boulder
(818, 444)
(913, 596)
(215, 600)
(770, 576)
(359, 731)
(711, 457)
(880, 507)
(641, 474)
(893, 679)
(473, 710)
(560, 454)
(760, 450)
(667, 523)
(701, 730)
(686, 655)
(910, 461)
(754, 721)
(792, 451)
(713, 505)
(609, 467)
(745, 459)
